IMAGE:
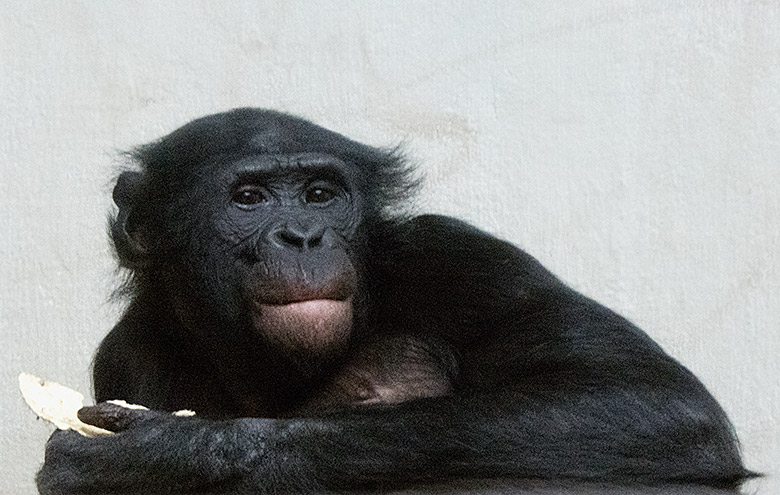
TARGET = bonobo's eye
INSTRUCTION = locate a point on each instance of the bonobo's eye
(321, 192)
(249, 195)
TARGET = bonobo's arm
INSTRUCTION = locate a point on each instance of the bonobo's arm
(540, 436)
(551, 385)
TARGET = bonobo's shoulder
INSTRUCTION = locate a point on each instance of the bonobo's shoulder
(452, 233)
(457, 242)
(444, 224)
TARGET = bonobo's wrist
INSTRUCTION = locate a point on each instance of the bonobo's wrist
(242, 446)
(270, 455)
(206, 451)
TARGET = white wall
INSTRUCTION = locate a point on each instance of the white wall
(631, 146)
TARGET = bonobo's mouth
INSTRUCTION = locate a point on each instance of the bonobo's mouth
(312, 310)
(313, 326)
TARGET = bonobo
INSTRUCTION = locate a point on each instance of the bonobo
(330, 341)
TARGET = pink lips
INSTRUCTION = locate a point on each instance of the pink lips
(312, 308)
(315, 326)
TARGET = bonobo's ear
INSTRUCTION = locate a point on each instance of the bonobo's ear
(127, 232)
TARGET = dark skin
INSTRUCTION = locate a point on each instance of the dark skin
(330, 343)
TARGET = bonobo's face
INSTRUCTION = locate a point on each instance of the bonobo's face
(274, 244)
(290, 220)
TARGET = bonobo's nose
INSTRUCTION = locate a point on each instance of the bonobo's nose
(293, 236)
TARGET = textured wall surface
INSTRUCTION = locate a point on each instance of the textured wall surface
(631, 146)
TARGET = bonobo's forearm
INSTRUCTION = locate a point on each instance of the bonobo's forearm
(608, 435)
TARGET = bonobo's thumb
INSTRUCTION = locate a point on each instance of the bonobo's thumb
(115, 417)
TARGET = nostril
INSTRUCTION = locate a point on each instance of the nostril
(315, 240)
(289, 238)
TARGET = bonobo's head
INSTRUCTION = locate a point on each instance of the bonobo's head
(250, 229)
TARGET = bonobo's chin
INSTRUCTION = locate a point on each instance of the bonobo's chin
(314, 328)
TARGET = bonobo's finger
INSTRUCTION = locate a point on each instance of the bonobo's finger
(114, 417)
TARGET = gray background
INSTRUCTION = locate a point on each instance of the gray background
(631, 146)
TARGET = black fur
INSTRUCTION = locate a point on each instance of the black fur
(460, 358)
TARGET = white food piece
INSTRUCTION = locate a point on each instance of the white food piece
(184, 413)
(126, 405)
(59, 404)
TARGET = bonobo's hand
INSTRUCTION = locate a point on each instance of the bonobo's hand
(151, 452)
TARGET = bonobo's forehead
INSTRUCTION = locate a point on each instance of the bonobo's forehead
(290, 167)
(285, 162)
